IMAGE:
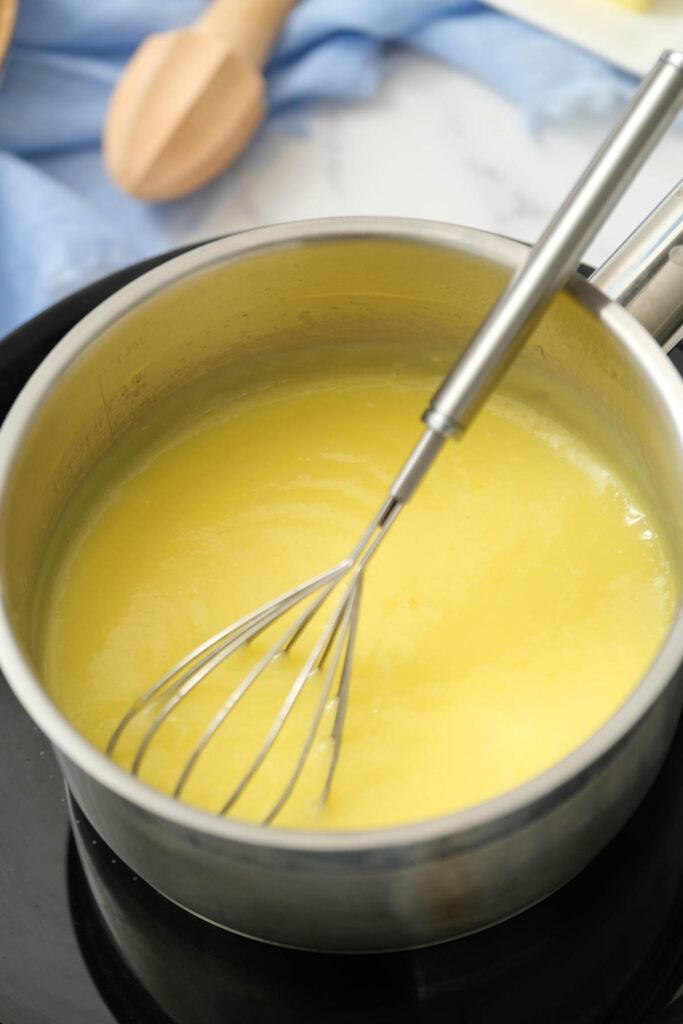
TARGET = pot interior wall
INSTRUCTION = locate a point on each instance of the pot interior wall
(356, 299)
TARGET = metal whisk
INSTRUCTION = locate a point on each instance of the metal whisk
(451, 410)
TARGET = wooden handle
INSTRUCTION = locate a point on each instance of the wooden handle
(249, 27)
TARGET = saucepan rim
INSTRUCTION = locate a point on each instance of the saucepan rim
(464, 823)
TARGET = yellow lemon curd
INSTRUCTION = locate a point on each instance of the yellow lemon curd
(511, 609)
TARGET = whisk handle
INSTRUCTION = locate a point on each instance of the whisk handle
(551, 261)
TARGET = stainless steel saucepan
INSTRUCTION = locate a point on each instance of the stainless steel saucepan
(413, 292)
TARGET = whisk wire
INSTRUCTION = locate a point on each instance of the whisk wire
(342, 691)
(280, 646)
(207, 655)
(288, 703)
(346, 618)
(357, 561)
(341, 637)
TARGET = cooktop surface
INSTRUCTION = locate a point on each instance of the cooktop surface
(84, 941)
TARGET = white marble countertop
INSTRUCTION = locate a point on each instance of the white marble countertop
(432, 143)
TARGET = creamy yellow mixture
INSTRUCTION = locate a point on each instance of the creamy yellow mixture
(511, 610)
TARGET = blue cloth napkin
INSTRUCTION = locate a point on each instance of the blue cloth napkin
(62, 223)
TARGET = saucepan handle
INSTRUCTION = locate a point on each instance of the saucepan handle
(645, 274)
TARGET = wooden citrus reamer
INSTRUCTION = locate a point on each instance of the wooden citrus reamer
(189, 100)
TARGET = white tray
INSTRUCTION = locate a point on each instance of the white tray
(630, 39)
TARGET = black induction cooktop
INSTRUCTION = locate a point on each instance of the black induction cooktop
(84, 941)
